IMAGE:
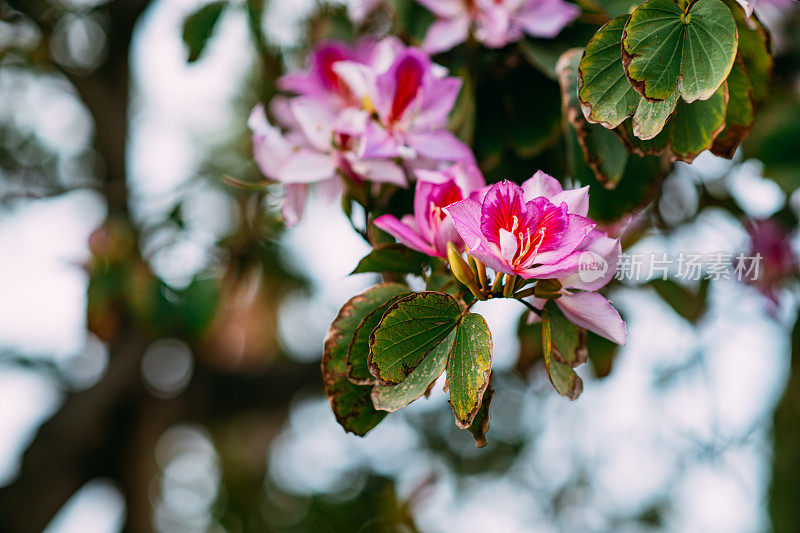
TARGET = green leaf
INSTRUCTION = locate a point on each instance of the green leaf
(602, 150)
(755, 51)
(696, 125)
(199, 26)
(395, 258)
(664, 48)
(691, 130)
(651, 117)
(688, 303)
(568, 340)
(602, 354)
(480, 424)
(358, 350)
(419, 382)
(606, 96)
(409, 330)
(566, 382)
(352, 403)
(469, 368)
(739, 115)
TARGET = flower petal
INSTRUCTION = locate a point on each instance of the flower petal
(438, 100)
(315, 120)
(592, 311)
(405, 233)
(577, 200)
(577, 229)
(294, 200)
(307, 166)
(546, 18)
(599, 252)
(446, 33)
(440, 145)
(444, 8)
(541, 184)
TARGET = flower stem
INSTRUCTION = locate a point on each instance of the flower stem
(498, 281)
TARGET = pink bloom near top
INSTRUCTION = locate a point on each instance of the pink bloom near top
(495, 23)
(373, 112)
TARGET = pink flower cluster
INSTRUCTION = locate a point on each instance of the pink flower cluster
(374, 112)
(540, 231)
(537, 231)
(496, 23)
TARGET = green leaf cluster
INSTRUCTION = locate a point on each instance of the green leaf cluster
(689, 78)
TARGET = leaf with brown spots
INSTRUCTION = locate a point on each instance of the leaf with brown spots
(352, 403)
(469, 368)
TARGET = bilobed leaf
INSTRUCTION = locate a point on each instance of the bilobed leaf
(351, 403)
(602, 150)
(395, 258)
(606, 96)
(480, 424)
(664, 48)
(409, 330)
(358, 350)
(469, 368)
(199, 26)
(566, 382)
(418, 382)
(739, 114)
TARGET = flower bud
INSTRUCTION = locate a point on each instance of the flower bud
(462, 271)
(547, 289)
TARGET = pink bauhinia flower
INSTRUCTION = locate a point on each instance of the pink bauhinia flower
(531, 237)
(496, 23)
(429, 229)
(771, 258)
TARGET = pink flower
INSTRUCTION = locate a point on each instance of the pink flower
(411, 102)
(526, 235)
(368, 113)
(430, 228)
(778, 261)
(496, 22)
(578, 301)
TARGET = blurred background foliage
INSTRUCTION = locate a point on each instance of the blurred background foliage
(191, 402)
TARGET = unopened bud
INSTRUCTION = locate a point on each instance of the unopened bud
(547, 289)
(462, 271)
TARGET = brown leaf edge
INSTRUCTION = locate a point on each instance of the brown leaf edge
(576, 118)
(480, 424)
(349, 366)
(588, 112)
(730, 139)
(330, 377)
